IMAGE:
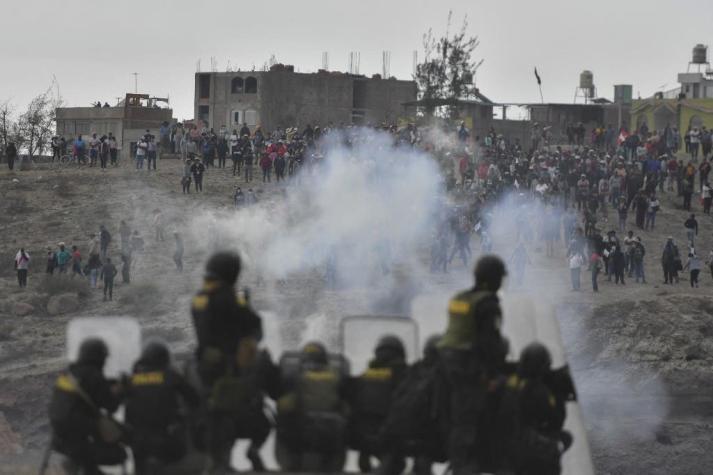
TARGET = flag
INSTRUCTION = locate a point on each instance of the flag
(623, 134)
(539, 81)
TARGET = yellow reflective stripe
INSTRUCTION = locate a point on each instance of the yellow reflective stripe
(320, 375)
(200, 302)
(377, 373)
(147, 379)
(458, 307)
(65, 383)
(551, 399)
(241, 301)
(513, 381)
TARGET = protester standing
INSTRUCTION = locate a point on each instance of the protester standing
(11, 154)
(576, 261)
(108, 273)
(694, 265)
(22, 265)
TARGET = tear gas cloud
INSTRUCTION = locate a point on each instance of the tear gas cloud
(362, 207)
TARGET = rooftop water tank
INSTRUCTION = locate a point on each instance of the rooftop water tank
(700, 54)
(586, 80)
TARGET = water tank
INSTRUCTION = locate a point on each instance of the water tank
(700, 54)
(586, 80)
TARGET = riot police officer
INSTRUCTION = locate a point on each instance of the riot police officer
(473, 355)
(371, 395)
(228, 332)
(411, 428)
(154, 406)
(532, 414)
(79, 395)
(311, 428)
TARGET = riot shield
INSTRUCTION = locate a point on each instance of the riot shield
(527, 318)
(359, 335)
(122, 336)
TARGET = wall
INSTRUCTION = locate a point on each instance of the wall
(383, 99)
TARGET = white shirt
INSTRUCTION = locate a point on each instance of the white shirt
(576, 261)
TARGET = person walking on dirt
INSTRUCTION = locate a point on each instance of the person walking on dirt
(107, 275)
(141, 150)
(637, 260)
(51, 261)
(76, 262)
(576, 261)
(93, 150)
(151, 151)
(158, 224)
(113, 150)
(691, 226)
(22, 265)
(617, 263)
(197, 170)
(11, 154)
(694, 265)
(670, 259)
(178, 255)
(62, 258)
(103, 152)
(104, 241)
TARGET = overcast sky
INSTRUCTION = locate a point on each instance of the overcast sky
(93, 47)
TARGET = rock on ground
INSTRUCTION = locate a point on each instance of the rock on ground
(63, 303)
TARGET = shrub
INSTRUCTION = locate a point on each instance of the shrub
(140, 298)
(63, 283)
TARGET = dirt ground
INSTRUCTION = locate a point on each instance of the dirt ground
(641, 354)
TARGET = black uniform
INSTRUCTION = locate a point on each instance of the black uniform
(226, 328)
(311, 429)
(74, 420)
(473, 354)
(370, 397)
(154, 410)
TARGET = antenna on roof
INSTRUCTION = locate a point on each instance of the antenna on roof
(213, 64)
(325, 60)
(354, 60)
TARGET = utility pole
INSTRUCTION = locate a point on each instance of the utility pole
(136, 83)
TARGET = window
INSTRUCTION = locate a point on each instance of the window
(82, 127)
(251, 85)
(236, 86)
(204, 86)
(203, 113)
(251, 117)
(236, 117)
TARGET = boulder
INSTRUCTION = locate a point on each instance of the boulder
(63, 303)
(22, 309)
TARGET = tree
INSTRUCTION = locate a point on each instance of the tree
(36, 125)
(7, 124)
(448, 71)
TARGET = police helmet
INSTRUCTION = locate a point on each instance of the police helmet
(535, 360)
(223, 266)
(490, 269)
(93, 351)
(389, 347)
(315, 353)
(156, 355)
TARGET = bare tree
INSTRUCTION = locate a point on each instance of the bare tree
(36, 125)
(7, 124)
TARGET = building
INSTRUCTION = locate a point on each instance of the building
(600, 113)
(127, 121)
(656, 113)
(687, 106)
(282, 97)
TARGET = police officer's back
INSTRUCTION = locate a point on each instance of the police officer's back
(312, 423)
(532, 413)
(156, 407)
(79, 395)
(223, 322)
(228, 331)
(370, 396)
(411, 428)
(473, 355)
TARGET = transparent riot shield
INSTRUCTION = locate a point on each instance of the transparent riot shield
(360, 334)
(526, 318)
(122, 336)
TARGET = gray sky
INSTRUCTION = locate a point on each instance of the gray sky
(92, 47)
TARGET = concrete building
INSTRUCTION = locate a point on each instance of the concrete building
(592, 115)
(127, 121)
(281, 97)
